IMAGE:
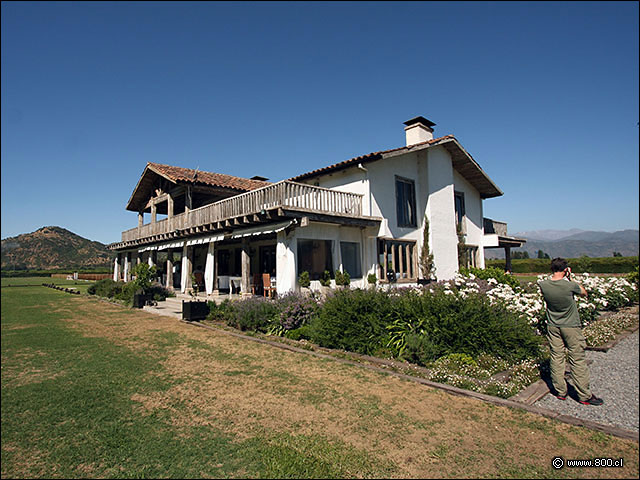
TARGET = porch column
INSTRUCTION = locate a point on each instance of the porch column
(170, 268)
(127, 273)
(116, 267)
(186, 270)
(150, 260)
(245, 263)
(209, 269)
(138, 258)
(286, 251)
(507, 259)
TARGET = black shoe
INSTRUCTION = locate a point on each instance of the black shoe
(592, 401)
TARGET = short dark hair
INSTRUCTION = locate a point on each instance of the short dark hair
(559, 265)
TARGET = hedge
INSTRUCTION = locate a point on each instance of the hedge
(578, 265)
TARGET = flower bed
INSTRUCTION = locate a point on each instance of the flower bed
(481, 334)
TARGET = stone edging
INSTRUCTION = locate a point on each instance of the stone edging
(616, 431)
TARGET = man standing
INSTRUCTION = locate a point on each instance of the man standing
(564, 332)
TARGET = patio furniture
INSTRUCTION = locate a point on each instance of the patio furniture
(268, 287)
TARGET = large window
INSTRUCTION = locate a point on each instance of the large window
(350, 252)
(315, 256)
(397, 260)
(405, 202)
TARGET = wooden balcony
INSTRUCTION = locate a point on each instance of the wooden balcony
(284, 198)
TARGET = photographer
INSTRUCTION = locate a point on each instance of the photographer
(564, 332)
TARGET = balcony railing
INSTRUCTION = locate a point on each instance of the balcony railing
(284, 194)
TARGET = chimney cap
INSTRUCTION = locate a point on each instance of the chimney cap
(421, 120)
(258, 177)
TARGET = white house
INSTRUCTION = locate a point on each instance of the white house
(363, 216)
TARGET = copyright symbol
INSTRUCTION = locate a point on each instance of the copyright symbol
(557, 463)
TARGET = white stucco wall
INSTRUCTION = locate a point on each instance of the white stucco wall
(473, 215)
(441, 213)
(287, 251)
(435, 181)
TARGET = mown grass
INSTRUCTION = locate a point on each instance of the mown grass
(67, 411)
(17, 282)
(71, 408)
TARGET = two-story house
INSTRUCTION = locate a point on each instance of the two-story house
(363, 216)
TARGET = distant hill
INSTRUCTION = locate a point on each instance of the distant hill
(577, 244)
(51, 248)
(547, 235)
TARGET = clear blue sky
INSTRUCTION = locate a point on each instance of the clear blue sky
(543, 95)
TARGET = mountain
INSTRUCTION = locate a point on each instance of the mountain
(589, 243)
(53, 247)
(548, 235)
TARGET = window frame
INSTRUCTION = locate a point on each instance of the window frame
(460, 215)
(406, 206)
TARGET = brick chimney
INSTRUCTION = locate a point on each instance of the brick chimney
(418, 130)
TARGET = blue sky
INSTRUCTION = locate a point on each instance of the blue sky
(544, 96)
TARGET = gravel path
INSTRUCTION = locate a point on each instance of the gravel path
(614, 378)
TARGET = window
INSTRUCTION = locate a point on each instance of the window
(405, 202)
(459, 204)
(224, 259)
(268, 259)
(350, 252)
(314, 256)
(397, 260)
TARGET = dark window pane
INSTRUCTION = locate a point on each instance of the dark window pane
(350, 252)
(314, 256)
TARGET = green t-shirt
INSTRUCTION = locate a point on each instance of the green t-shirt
(562, 310)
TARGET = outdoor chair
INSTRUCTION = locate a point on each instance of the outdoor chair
(267, 288)
(255, 284)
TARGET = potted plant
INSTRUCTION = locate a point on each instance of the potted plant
(325, 283)
(194, 310)
(143, 273)
(343, 279)
(304, 280)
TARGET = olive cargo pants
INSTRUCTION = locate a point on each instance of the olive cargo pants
(571, 340)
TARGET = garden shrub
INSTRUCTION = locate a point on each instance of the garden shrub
(295, 310)
(127, 292)
(301, 333)
(352, 320)
(105, 288)
(467, 324)
(219, 312)
(420, 349)
(255, 314)
(492, 272)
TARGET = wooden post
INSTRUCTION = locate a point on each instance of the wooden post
(170, 268)
(169, 213)
(246, 267)
(507, 258)
(154, 209)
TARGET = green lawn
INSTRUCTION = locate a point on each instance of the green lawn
(94, 390)
(16, 282)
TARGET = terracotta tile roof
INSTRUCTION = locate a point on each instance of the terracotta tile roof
(364, 158)
(189, 175)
